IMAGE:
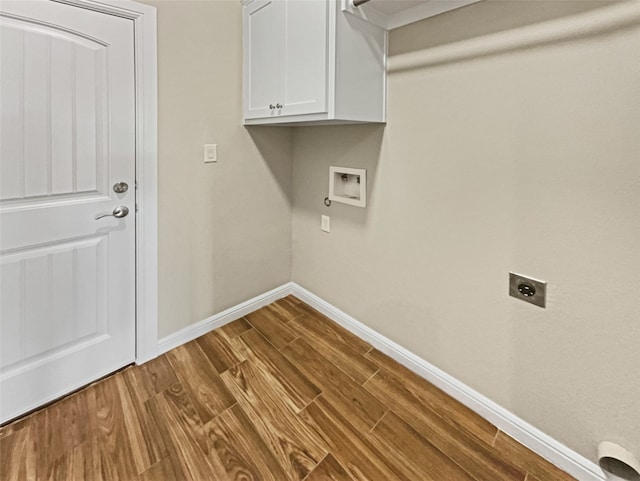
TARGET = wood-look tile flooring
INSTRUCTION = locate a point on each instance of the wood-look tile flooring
(282, 394)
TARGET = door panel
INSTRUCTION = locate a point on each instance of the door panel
(54, 104)
(264, 32)
(67, 133)
(305, 58)
(55, 292)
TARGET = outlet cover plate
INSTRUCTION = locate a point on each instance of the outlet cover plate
(530, 285)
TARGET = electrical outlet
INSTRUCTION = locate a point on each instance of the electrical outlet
(528, 289)
(326, 224)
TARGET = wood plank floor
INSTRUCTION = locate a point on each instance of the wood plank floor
(282, 394)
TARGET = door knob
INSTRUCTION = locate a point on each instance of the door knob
(118, 212)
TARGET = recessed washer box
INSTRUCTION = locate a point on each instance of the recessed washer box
(348, 186)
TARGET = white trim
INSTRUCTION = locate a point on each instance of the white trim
(194, 331)
(595, 22)
(145, 38)
(531, 437)
(147, 184)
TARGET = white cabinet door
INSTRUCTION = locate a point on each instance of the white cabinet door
(305, 58)
(264, 34)
(285, 63)
(67, 127)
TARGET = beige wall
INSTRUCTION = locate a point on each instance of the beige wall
(225, 228)
(526, 161)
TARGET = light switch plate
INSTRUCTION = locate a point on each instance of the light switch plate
(326, 224)
(210, 153)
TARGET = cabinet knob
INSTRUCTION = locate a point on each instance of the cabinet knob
(278, 106)
(271, 106)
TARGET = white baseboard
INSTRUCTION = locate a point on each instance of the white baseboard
(225, 317)
(542, 444)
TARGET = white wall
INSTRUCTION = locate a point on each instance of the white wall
(526, 161)
(225, 228)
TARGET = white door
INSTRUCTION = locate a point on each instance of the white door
(67, 133)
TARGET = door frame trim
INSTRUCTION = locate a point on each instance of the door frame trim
(146, 88)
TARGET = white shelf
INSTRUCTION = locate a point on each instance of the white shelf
(390, 14)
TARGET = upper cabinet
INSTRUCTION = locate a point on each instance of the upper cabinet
(308, 61)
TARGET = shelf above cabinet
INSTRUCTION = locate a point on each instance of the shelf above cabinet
(390, 14)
